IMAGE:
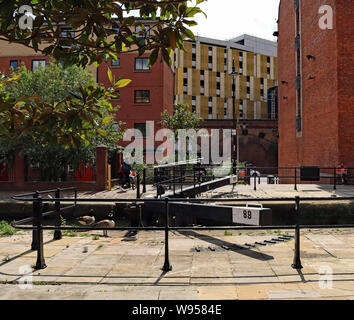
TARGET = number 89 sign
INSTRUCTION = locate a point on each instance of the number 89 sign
(249, 215)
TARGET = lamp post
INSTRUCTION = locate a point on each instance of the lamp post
(233, 74)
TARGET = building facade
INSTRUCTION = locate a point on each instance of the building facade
(203, 80)
(316, 96)
(144, 99)
(199, 77)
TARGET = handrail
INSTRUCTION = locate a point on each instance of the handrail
(38, 228)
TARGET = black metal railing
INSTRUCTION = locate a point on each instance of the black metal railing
(291, 173)
(37, 225)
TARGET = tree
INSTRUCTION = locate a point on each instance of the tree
(182, 118)
(71, 121)
(103, 28)
(77, 128)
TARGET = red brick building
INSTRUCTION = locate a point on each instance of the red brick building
(147, 96)
(315, 74)
(144, 99)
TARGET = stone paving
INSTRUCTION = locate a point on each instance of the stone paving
(264, 190)
(119, 267)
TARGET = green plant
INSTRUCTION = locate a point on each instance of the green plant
(85, 234)
(6, 229)
(95, 237)
(6, 258)
(227, 233)
(67, 233)
(100, 246)
(103, 29)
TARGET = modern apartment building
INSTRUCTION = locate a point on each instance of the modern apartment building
(316, 95)
(203, 80)
(199, 77)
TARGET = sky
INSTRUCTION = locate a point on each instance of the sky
(230, 18)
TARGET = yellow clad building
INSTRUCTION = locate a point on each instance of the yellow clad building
(203, 80)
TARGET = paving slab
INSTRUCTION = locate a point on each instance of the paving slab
(119, 270)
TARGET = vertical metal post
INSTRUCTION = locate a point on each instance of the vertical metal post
(144, 180)
(174, 179)
(194, 180)
(34, 245)
(138, 186)
(297, 261)
(295, 187)
(166, 267)
(255, 183)
(248, 179)
(334, 179)
(75, 193)
(40, 264)
(57, 233)
(181, 177)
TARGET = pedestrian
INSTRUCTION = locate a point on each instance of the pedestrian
(124, 174)
(342, 172)
(132, 179)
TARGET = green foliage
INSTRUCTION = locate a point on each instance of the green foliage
(95, 38)
(57, 116)
(227, 233)
(95, 237)
(182, 118)
(6, 229)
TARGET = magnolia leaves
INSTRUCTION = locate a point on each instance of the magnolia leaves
(102, 29)
(72, 121)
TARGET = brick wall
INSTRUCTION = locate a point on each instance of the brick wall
(327, 135)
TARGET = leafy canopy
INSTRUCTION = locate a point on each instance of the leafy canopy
(102, 28)
(49, 138)
(55, 105)
(182, 118)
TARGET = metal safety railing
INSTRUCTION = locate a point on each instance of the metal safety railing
(37, 225)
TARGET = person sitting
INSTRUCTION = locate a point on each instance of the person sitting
(342, 172)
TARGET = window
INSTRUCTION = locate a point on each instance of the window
(117, 95)
(142, 96)
(116, 63)
(142, 128)
(141, 33)
(194, 104)
(225, 107)
(14, 64)
(36, 64)
(142, 64)
(67, 33)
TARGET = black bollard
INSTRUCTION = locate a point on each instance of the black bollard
(40, 264)
(166, 267)
(297, 261)
(57, 233)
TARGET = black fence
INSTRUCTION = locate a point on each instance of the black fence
(37, 219)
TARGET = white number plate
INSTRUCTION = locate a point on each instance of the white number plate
(246, 215)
